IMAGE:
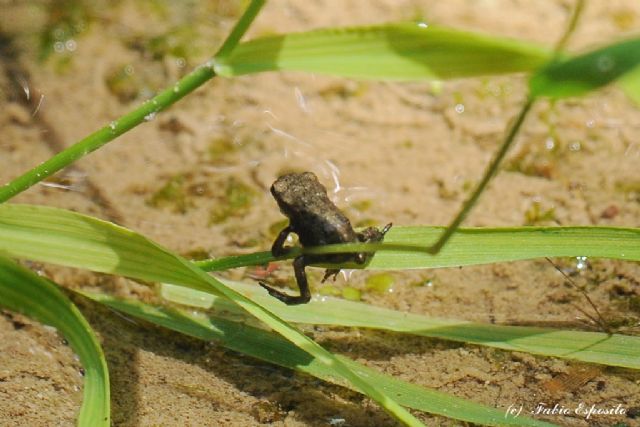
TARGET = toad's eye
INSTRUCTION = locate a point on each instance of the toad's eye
(361, 258)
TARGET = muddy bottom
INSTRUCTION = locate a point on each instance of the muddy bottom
(195, 179)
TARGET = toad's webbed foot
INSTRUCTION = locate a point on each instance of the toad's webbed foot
(372, 234)
(287, 299)
(301, 278)
(330, 272)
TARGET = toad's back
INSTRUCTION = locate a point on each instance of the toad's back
(313, 217)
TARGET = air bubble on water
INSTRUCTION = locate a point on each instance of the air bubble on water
(575, 146)
(150, 116)
(459, 108)
(71, 45)
(549, 143)
(58, 47)
(58, 33)
(581, 263)
(605, 63)
(128, 70)
(180, 62)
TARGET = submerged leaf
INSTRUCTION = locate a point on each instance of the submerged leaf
(592, 347)
(267, 346)
(630, 84)
(582, 74)
(23, 291)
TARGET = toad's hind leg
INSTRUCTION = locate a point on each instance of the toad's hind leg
(301, 278)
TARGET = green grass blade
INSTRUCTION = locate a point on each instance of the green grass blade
(404, 51)
(592, 347)
(584, 73)
(62, 237)
(269, 347)
(67, 238)
(125, 123)
(487, 245)
(630, 84)
(108, 133)
(24, 291)
(241, 27)
(404, 247)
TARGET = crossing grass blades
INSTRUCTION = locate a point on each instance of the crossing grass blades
(404, 51)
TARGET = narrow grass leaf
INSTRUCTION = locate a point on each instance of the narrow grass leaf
(51, 235)
(241, 27)
(488, 245)
(23, 291)
(63, 237)
(630, 84)
(404, 247)
(593, 347)
(404, 51)
(267, 346)
(584, 73)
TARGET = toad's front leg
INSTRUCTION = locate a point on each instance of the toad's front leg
(278, 248)
(301, 278)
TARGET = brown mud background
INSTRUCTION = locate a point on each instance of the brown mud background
(402, 152)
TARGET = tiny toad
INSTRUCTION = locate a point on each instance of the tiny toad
(316, 221)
